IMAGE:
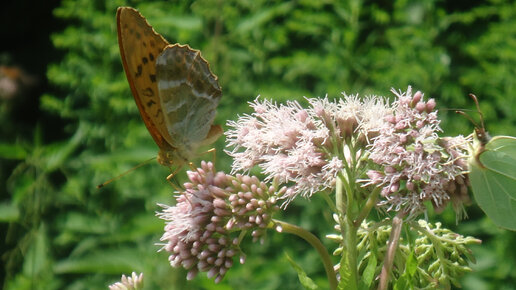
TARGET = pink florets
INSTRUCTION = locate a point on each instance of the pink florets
(200, 228)
(306, 149)
(416, 166)
(302, 147)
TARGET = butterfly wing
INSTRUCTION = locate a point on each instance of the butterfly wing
(189, 94)
(140, 46)
(493, 179)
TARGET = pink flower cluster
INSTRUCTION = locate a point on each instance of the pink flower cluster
(415, 164)
(396, 144)
(303, 147)
(201, 231)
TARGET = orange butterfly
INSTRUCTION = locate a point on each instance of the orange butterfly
(173, 87)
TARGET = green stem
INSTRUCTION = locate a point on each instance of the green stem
(351, 253)
(314, 242)
(349, 232)
(339, 197)
(329, 201)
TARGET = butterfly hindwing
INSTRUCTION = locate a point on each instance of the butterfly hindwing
(189, 94)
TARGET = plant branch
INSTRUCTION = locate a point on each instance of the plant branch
(394, 239)
(314, 242)
(350, 235)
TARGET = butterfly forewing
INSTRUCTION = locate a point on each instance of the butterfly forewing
(140, 46)
(189, 95)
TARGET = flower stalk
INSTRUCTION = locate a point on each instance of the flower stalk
(349, 230)
(351, 254)
(392, 246)
(314, 242)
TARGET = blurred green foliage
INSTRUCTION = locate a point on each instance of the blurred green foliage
(63, 233)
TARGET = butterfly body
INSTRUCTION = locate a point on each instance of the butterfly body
(173, 87)
(481, 138)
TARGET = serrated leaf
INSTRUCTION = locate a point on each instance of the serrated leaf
(345, 275)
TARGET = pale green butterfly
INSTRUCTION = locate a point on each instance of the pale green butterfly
(492, 175)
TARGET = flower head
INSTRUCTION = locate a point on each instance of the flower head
(201, 229)
(415, 164)
(305, 148)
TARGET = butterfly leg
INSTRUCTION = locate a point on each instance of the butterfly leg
(192, 166)
(171, 175)
(213, 152)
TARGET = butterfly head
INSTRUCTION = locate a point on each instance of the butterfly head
(480, 136)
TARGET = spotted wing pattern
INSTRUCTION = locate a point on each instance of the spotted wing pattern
(180, 112)
(140, 46)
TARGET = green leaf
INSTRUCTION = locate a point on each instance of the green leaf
(37, 259)
(405, 281)
(492, 175)
(345, 275)
(369, 271)
(411, 265)
(401, 283)
(303, 278)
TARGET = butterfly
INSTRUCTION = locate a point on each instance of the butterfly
(492, 174)
(173, 87)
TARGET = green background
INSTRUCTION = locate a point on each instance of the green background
(72, 123)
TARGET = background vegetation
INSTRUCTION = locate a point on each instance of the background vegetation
(71, 122)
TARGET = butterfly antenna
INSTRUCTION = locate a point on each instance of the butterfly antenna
(455, 109)
(467, 117)
(123, 174)
(475, 99)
